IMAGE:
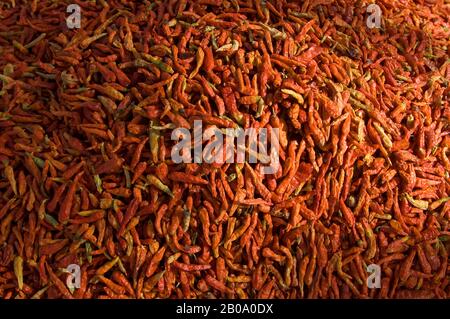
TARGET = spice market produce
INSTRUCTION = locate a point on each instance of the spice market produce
(88, 181)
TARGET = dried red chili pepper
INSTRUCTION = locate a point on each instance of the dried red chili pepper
(86, 173)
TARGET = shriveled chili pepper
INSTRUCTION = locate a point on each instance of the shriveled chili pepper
(359, 116)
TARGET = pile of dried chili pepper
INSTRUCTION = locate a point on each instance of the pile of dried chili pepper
(86, 175)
